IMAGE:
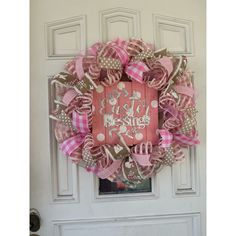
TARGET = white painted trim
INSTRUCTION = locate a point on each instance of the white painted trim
(191, 219)
(119, 14)
(193, 188)
(50, 27)
(177, 23)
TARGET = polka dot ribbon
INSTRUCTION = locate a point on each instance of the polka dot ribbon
(169, 157)
(143, 55)
(110, 63)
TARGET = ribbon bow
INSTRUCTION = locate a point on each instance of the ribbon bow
(80, 122)
(112, 57)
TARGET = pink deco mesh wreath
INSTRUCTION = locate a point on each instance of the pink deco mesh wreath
(122, 110)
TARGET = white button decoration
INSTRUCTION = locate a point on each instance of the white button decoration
(154, 103)
(123, 129)
(120, 85)
(100, 137)
(139, 136)
(99, 89)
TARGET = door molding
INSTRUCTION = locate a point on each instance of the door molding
(129, 17)
(72, 30)
(169, 27)
(64, 174)
(185, 175)
(187, 224)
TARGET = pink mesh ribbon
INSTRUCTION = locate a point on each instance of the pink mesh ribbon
(159, 74)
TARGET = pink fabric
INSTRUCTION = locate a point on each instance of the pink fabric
(94, 48)
(159, 74)
(142, 159)
(167, 63)
(63, 132)
(184, 90)
(135, 70)
(141, 153)
(69, 96)
(172, 110)
(122, 54)
(185, 140)
(79, 67)
(120, 42)
(71, 144)
(70, 67)
(118, 47)
(105, 173)
(166, 138)
(80, 122)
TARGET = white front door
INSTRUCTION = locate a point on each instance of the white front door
(68, 198)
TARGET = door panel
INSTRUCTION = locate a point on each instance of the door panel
(184, 225)
(66, 196)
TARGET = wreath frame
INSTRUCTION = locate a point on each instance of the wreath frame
(107, 64)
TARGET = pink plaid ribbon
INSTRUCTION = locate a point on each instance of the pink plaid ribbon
(166, 138)
(71, 144)
(121, 52)
(135, 70)
(80, 122)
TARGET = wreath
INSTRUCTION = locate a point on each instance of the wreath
(123, 110)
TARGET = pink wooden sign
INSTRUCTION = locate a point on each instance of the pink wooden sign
(126, 109)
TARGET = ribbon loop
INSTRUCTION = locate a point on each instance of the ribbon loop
(141, 153)
(166, 138)
(80, 122)
(71, 144)
(135, 70)
(110, 170)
